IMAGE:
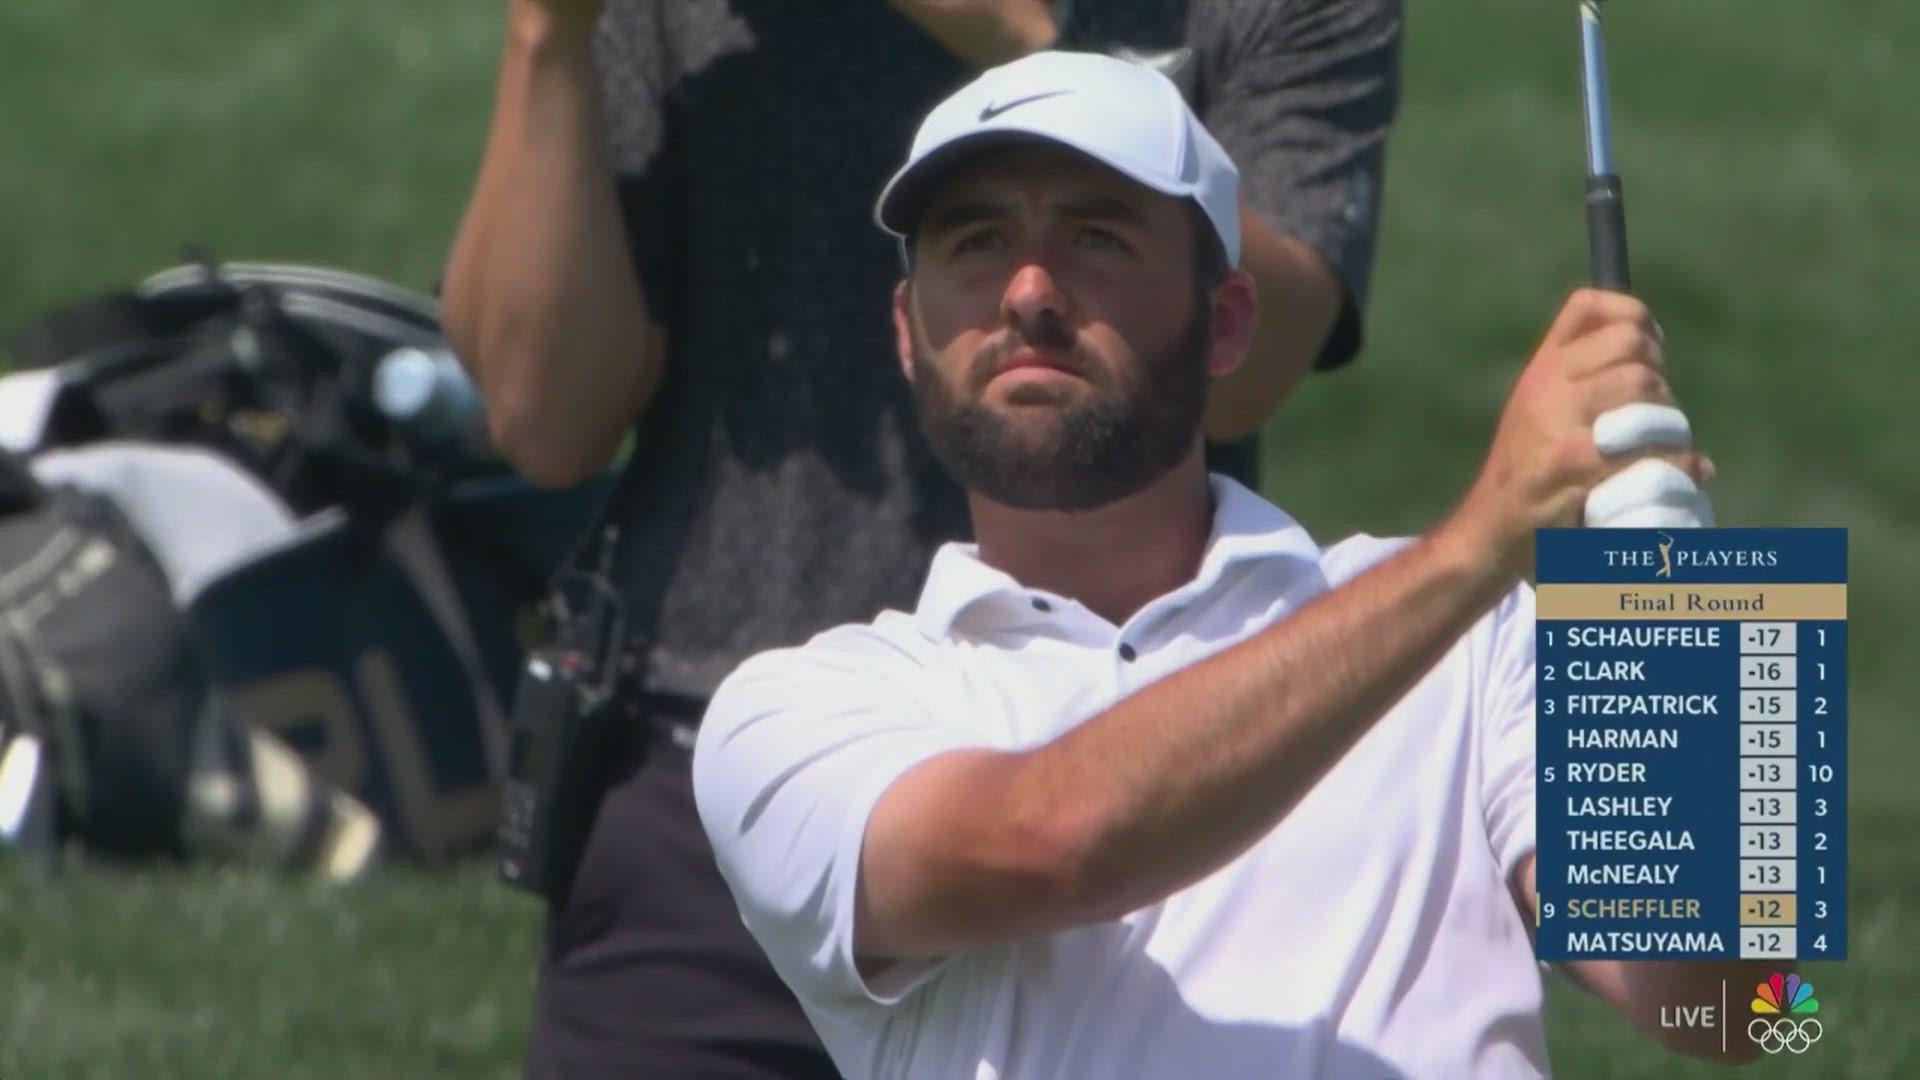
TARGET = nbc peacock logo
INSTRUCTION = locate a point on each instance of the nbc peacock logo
(1782, 1022)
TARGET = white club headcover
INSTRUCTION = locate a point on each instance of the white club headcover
(1649, 494)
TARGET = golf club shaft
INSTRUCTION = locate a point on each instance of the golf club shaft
(1649, 494)
(1606, 206)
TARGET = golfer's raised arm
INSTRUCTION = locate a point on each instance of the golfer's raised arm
(541, 296)
(1171, 783)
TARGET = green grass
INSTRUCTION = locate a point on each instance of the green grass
(1768, 156)
(113, 976)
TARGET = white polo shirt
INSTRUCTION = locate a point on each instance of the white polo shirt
(1370, 935)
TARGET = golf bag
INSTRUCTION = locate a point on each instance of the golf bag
(344, 582)
(95, 660)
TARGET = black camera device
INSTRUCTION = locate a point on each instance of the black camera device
(571, 722)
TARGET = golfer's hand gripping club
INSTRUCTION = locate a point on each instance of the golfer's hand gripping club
(1651, 493)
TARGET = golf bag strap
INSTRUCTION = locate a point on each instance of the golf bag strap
(410, 539)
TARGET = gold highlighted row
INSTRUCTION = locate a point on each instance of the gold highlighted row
(1769, 909)
(1710, 602)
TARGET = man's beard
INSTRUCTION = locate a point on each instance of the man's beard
(1117, 441)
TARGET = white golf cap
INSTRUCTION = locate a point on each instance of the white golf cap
(1122, 113)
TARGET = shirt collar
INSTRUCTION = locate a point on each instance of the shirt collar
(1245, 527)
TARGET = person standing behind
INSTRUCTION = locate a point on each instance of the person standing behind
(669, 236)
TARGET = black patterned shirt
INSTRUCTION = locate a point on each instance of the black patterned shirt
(780, 484)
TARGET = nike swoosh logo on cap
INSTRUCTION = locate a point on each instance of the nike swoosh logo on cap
(992, 111)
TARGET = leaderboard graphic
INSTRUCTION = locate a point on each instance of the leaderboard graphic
(1691, 730)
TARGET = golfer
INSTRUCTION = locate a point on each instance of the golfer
(1151, 784)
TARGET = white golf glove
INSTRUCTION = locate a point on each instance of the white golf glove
(1649, 494)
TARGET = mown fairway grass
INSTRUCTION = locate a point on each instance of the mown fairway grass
(1769, 158)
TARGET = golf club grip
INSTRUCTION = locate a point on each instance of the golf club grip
(1607, 233)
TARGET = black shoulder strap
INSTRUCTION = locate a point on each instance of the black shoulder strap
(582, 603)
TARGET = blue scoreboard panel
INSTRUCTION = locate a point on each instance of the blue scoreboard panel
(1691, 712)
